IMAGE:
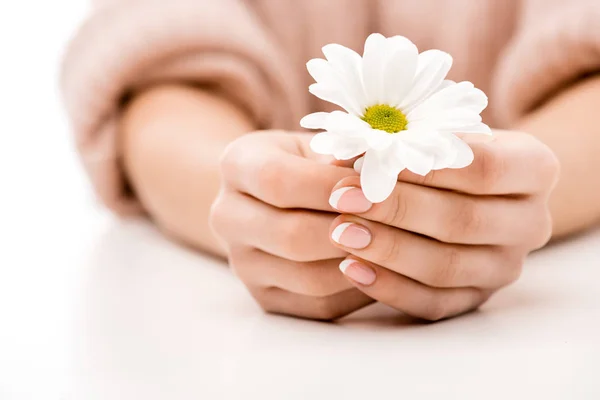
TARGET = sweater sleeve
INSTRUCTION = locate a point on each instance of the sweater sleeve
(126, 45)
(555, 43)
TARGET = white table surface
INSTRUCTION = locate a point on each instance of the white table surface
(96, 308)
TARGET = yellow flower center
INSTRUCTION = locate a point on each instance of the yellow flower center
(385, 118)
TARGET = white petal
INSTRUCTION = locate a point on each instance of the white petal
(476, 100)
(464, 156)
(460, 95)
(321, 71)
(451, 120)
(477, 128)
(332, 86)
(399, 71)
(323, 143)
(444, 98)
(372, 67)
(393, 156)
(416, 160)
(445, 83)
(378, 140)
(358, 164)
(400, 42)
(345, 135)
(448, 150)
(348, 124)
(432, 68)
(348, 64)
(339, 146)
(349, 148)
(333, 95)
(431, 143)
(445, 159)
(316, 120)
(377, 183)
(434, 143)
(454, 108)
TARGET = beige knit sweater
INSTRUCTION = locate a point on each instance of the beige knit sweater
(518, 51)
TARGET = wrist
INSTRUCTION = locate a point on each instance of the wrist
(171, 138)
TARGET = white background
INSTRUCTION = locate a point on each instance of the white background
(44, 202)
(96, 308)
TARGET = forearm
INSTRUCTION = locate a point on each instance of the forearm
(172, 139)
(568, 124)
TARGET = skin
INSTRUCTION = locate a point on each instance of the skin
(440, 246)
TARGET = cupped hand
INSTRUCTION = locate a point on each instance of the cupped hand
(442, 244)
(273, 217)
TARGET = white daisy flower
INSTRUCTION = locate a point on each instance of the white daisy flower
(399, 111)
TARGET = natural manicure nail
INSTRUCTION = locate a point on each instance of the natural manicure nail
(351, 235)
(349, 199)
(358, 272)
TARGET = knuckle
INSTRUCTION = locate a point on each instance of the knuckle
(435, 309)
(271, 182)
(490, 170)
(544, 230)
(238, 260)
(424, 180)
(311, 282)
(547, 164)
(540, 227)
(317, 308)
(467, 222)
(395, 211)
(391, 252)
(218, 214)
(447, 273)
(264, 299)
(230, 160)
(513, 267)
(514, 271)
(324, 308)
(312, 288)
(553, 168)
(291, 237)
(429, 179)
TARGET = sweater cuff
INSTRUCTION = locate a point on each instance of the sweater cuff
(561, 46)
(132, 44)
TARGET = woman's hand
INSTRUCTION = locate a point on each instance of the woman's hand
(273, 217)
(440, 245)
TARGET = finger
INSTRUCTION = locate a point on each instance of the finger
(424, 260)
(410, 296)
(277, 170)
(507, 163)
(278, 301)
(298, 235)
(318, 278)
(448, 216)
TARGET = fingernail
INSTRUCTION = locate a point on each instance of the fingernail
(351, 235)
(349, 199)
(358, 272)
